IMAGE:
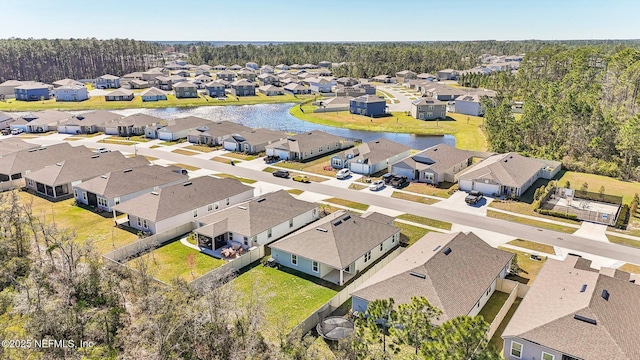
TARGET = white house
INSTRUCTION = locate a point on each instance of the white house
(307, 145)
(177, 128)
(87, 123)
(439, 163)
(321, 85)
(252, 141)
(371, 157)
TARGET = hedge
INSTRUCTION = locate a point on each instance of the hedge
(622, 217)
(558, 214)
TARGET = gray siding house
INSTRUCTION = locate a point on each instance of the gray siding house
(307, 145)
(252, 141)
(177, 128)
(428, 109)
(371, 157)
(439, 163)
(469, 105)
(214, 133)
(185, 90)
(227, 75)
(243, 88)
(71, 93)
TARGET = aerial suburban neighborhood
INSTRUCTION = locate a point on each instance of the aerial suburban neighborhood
(336, 199)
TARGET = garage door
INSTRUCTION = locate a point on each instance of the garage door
(465, 185)
(487, 189)
(166, 136)
(403, 172)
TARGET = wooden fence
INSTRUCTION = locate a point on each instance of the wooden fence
(246, 259)
(515, 290)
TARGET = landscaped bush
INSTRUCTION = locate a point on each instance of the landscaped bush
(622, 217)
(558, 214)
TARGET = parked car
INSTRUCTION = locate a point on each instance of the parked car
(101, 150)
(281, 173)
(377, 185)
(399, 181)
(343, 174)
(17, 131)
(387, 177)
(301, 178)
(473, 197)
(5, 131)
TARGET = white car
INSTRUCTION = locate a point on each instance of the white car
(376, 185)
(17, 131)
(343, 174)
(101, 150)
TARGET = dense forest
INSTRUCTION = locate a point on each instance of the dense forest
(52, 60)
(581, 106)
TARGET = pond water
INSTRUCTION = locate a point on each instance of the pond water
(277, 117)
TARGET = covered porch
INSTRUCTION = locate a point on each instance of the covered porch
(339, 277)
(55, 192)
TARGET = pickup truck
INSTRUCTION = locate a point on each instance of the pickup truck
(473, 197)
(399, 181)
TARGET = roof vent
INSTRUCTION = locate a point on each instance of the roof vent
(187, 183)
(585, 319)
(337, 223)
(447, 250)
(155, 193)
(418, 275)
(583, 288)
(346, 218)
(104, 176)
(437, 247)
(242, 207)
(95, 156)
(605, 294)
(436, 149)
(261, 200)
(59, 164)
(321, 229)
(127, 170)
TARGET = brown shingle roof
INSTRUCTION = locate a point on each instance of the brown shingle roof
(35, 159)
(439, 158)
(11, 145)
(510, 169)
(374, 151)
(97, 117)
(305, 142)
(454, 282)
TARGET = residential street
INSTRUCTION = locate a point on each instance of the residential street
(579, 244)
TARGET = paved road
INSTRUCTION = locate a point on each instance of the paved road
(554, 238)
(405, 102)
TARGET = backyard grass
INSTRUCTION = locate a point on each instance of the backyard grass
(240, 156)
(414, 198)
(493, 306)
(529, 268)
(632, 268)
(287, 298)
(347, 203)
(295, 191)
(170, 261)
(496, 341)
(623, 241)
(425, 221)
(184, 152)
(467, 129)
(612, 186)
(241, 179)
(117, 142)
(532, 245)
(98, 102)
(355, 186)
(530, 222)
(409, 234)
(186, 167)
(201, 148)
(427, 189)
(97, 226)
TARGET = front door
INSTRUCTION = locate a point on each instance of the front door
(92, 199)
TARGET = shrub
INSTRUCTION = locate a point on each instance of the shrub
(558, 214)
(622, 217)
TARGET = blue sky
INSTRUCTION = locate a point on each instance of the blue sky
(321, 20)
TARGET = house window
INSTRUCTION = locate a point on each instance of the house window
(227, 201)
(269, 233)
(381, 247)
(216, 205)
(547, 356)
(246, 241)
(393, 239)
(195, 213)
(139, 222)
(478, 304)
(254, 239)
(84, 195)
(429, 114)
(367, 256)
(290, 223)
(117, 200)
(75, 193)
(338, 162)
(315, 267)
(320, 149)
(442, 114)
(144, 224)
(516, 349)
(430, 107)
(209, 207)
(314, 212)
(230, 236)
(294, 259)
(488, 290)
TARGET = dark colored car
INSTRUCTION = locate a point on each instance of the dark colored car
(387, 177)
(473, 197)
(399, 181)
(281, 173)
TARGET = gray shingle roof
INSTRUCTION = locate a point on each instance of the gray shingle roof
(129, 181)
(184, 84)
(153, 91)
(120, 92)
(219, 129)
(546, 314)
(189, 122)
(11, 145)
(454, 282)
(261, 136)
(136, 120)
(47, 117)
(178, 199)
(510, 169)
(369, 99)
(305, 142)
(256, 216)
(97, 117)
(427, 101)
(38, 158)
(341, 244)
(374, 151)
(439, 158)
(67, 81)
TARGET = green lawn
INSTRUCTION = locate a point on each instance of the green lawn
(118, 142)
(426, 189)
(493, 306)
(414, 198)
(425, 221)
(530, 222)
(496, 341)
(355, 186)
(409, 233)
(170, 261)
(201, 148)
(623, 241)
(315, 166)
(530, 268)
(632, 268)
(186, 167)
(241, 179)
(612, 186)
(467, 129)
(240, 156)
(184, 152)
(531, 245)
(347, 203)
(295, 191)
(288, 298)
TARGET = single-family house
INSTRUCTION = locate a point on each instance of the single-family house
(179, 204)
(356, 90)
(119, 95)
(295, 66)
(439, 163)
(271, 90)
(5, 120)
(297, 89)
(168, 82)
(214, 133)
(243, 87)
(87, 123)
(324, 72)
(427, 76)
(248, 75)
(71, 93)
(507, 174)
(14, 144)
(177, 128)
(226, 75)
(572, 312)
(405, 75)
(32, 92)
(252, 65)
(42, 121)
(153, 94)
(382, 78)
(324, 64)
(321, 85)
(107, 81)
(138, 84)
(65, 82)
(227, 84)
(201, 80)
(368, 105)
(7, 87)
(266, 69)
(15, 165)
(234, 67)
(267, 79)
(203, 71)
(470, 104)
(252, 141)
(370, 157)
(185, 90)
(456, 272)
(112, 188)
(336, 247)
(347, 81)
(153, 74)
(219, 67)
(259, 221)
(338, 103)
(307, 145)
(137, 75)
(282, 67)
(309, 66)
(183, 73)
(215, 89)
(428, 109)
(447, 74)
(132, 125)
(56, 181)
(442, 92)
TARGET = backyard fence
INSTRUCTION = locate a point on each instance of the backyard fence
(515, 290)
(589, 206)
(341, 297)
(248, 258)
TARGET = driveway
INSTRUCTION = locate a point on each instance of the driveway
(404, 102)
(456, 202)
